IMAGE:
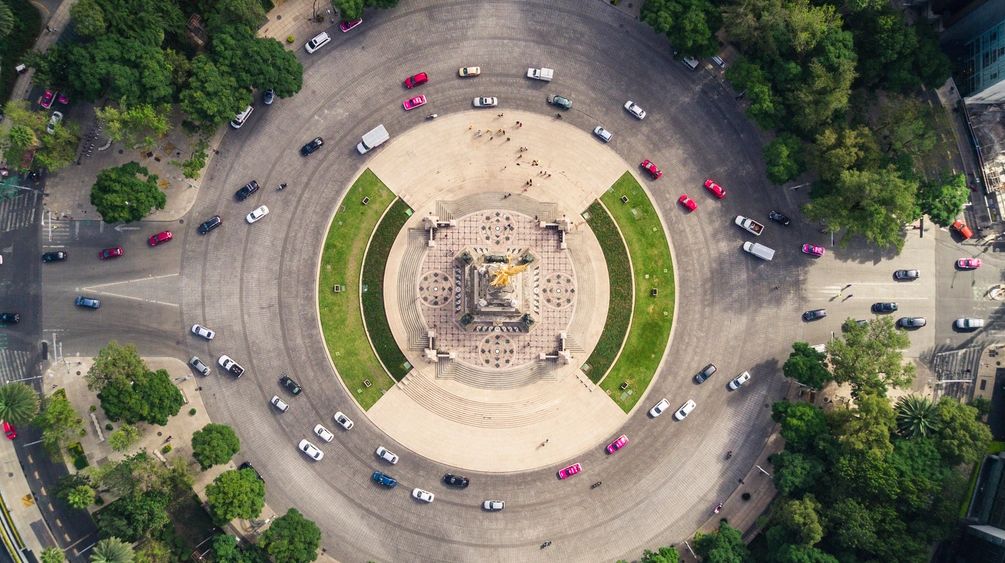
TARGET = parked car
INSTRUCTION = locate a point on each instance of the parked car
(494, 505)
(54, 121)
(603, 134)
(257, 214)
(635, 110)
(386, 455)
(210, 224)
(323, 433)
(485, 102)
(469, 71)
(813, 250)
(57, 256)
(715, 189)
(968, 323)
(246, 190)
(569, 470)
(311, 450)
(560, 101)
(349, 25)
(684, 410)
(424, 496)
(884, 307)
(311, 146)
(619, 442)
(649, 166)
(964, 231)
(290, 385)
(779, 218)
(87, 302)
(199, 366)
(814, 314)
(968, 263)
(113, 252)
(705, 373)
(911, 322)
(232, 367)
(416, 80)
(687, 202)
(10, 318)
(452, 480)
(342, 420)
(281, 405)
(906, 275)
(383, 480)
(414, 102)
(9, 430)
(268, 97)
(659, 407)
(160, 238)
(199, 330)
(47, 98)
(318, 41)
(740, 380)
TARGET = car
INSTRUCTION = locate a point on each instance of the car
(47, 98)
(424, 496)
(779, 218)
(199, 330)
(635, 110)
(813, 250)
(386, 455)
(199, 365)
(740, 380)
(57, 256)
(160, 238)
(280, 404)
(342, 420)
(349, 25)
(311, 146)
(620, 442)
(814, 314)
(416, 80)
(687, 202)
(10, 318)
(569, 470)
(246, 190)
(719, 62)
(9, 430)
(968, 323)
(684, 410)
(232, 367)
(247, 465)
(268, 97)
(911, 322)
(715, 189)
(311, 450)
(318, 41)
(412, 103)
(705, 373)
(602, 133)
(113, 252)
(962, 229)
(87, 302)
(323, 433)
(469, 71)
(452, 480)
(383, 479)
(485, 102)
(290, 385)
(257, 214)
(906, 275)
(659, 407)
(968, 263)
(54, 121)
(494, 505)
(210, 224)
(654, 171)
(62, 98)
(884, 307)
(560, 101)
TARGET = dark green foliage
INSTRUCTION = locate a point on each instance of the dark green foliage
(725, 545)
(291, 538)
(235, 494)
(619, 311)
(959, 436)
(750, 79)
(374, 314)
(215, 444)
(802, 424)
(784, 157)
(126, 193)
(796, 473)
(213, 96)
(807, 366)
(689, 25)
(662, 555)
(151, 398)
(27, 23)
(134, 516)
(943, 199)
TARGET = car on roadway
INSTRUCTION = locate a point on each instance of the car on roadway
(281, 405)
(494, 505)
(9, 430)
(10, 318)
(54, 121)
(342, 420)
(715, 189)
(687, 202)
(659, 407)
(383, 479)
(620, 442)
(814, 314)
(739, 380)
(968, 323)
(199, 330)
(469, 71)
(416, 80)
(318, 41)
(210, 224)
(87, 302)
(311, 146)
(386, 455)
(160, 238)
(246, 190)
(290, 385)
(323, 433)
(257, 214)
(813, 250)
(57, 256)
(47, 98)
(485, 102)
(268, 97)
(414, 102)
(559, 101)
(906, 275)
(654, 171)
(423, 495)
(452, 480)
(911, 322)
(232, 367)
(569, 470)
(603, 134)
(113, 252)
(684, 410)
(635, 110)
(705, 373)
(884, 307)
(349, 25)
(311, 450)
(199, 365)
(779, 218)
(968, 263)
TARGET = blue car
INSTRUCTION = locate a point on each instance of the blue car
(384, 480)
(88, 302)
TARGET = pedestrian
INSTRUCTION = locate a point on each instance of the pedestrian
(741, 480)
(507, 138)
(470, 126)
(519, 156)
(500, 115)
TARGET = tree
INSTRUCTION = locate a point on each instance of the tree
(869, 357)
(750, 79)
(796, 473)
(154, 551)
(114, 361)
(916, 416)
(903, 127)
(215, 444)
(213, 97)
(797, 522)
(126, 193)
(348, 9)
(722, 546)
(6, 20)
(662, 555)
(690, 25)
(982, 404)
(960, 437)
(802, 554)
(134, 516)
(784, 158)
(851, 525)
(943, 199)
(291, 538)
(18, 403)
(840, 148)
(141, 124)
(807, 366)
(59, 148)
(88, 18)
(112, 550)
(235, 494)
(52, 555)
(123, 438)
(59, 423)
(120, 401)
(257, 62)
(803, 424)
(867, 427)
(222, 15)
(161, 395)
(227, 549)
(80, 497)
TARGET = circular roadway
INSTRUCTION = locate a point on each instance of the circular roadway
(255, 284)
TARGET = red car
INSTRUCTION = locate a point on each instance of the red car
(968, 263)
(687, 202)
(569, 471)
(63, 98)
(160, 238)
(653, 170)
(616, 445)
(413, 103)
(813, 250)
(114, 252)
(716, 189)
(9, 430)
(47, 98)
(417, 80)
(349, 25)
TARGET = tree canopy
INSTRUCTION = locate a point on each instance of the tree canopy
(807, 366)
(869, 357)
(18, 403)
(689, 25)
(126, 193)
(235, 494)
(151, 397)
(215, 444)
(291, 538)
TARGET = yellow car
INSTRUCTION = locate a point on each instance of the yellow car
(469, 71)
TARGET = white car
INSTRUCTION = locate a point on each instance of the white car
(257, 214)
(199, 365)
(199, 330)
(485, 102)
(469, 71)
(318, 41)
(635, 110)
(740, 380)
(55, 120)
(311, 450)
(342, 420)
(659, 407)
(603, 134)
(424, 496)
(386, 455)
(684, 410)
(280, 405)
(323, 433)
(493, 505)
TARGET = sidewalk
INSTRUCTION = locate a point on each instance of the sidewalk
(19, 500)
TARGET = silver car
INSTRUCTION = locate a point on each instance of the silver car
(342, 420)
(740, 380)
(280, 404)
(199, 366)
(494, 505)
(386, 455)
(485, 102)
(199, 330)
(684, 410)
(635, 110)
(311, 450)
(659, 407)
(603, 134)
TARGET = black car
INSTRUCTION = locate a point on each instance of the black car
(312, 146)
(560, 102)
(779, 218)
(887, 307)
(911, 322)
(455, 481)
(10, 318)
(246, 190)
(908, 275)
(814, 314)
(54, 256)
(290, 385)
(705, 373)
(247, 465)
(210, 224)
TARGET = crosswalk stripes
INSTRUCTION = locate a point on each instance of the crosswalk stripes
(955, 366)
(57, 232)
(13, 365)
(18, 212)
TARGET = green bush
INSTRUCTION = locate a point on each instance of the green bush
(194, 165)
(290, 39)
(192, 411)
(79, 458)
(109, 427)
(166, 449)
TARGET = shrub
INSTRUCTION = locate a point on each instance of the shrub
(290, 39)
(191, 412)
(166, 449)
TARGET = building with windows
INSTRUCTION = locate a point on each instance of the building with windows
(975, 41)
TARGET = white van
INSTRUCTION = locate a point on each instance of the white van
(690, 62)
(241, 118)
(759, 250)
(318, 41)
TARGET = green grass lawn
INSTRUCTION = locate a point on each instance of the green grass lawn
(373, 293)
(652, 270)
(619, 311)
(341, 264)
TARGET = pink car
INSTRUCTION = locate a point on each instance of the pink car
(113, 252)
(160, 238)
(569, 471)
(63, 98)
(413, 103)
(9, 430)
(47, 98)
(813, 250)
(687, 202)
(349, 25)
(654, 171)
(616, 445)
(968, 263)
(716, 189)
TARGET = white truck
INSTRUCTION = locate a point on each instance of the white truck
(749, 225)
(545, 74)
(373, 139)
(759, 250)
